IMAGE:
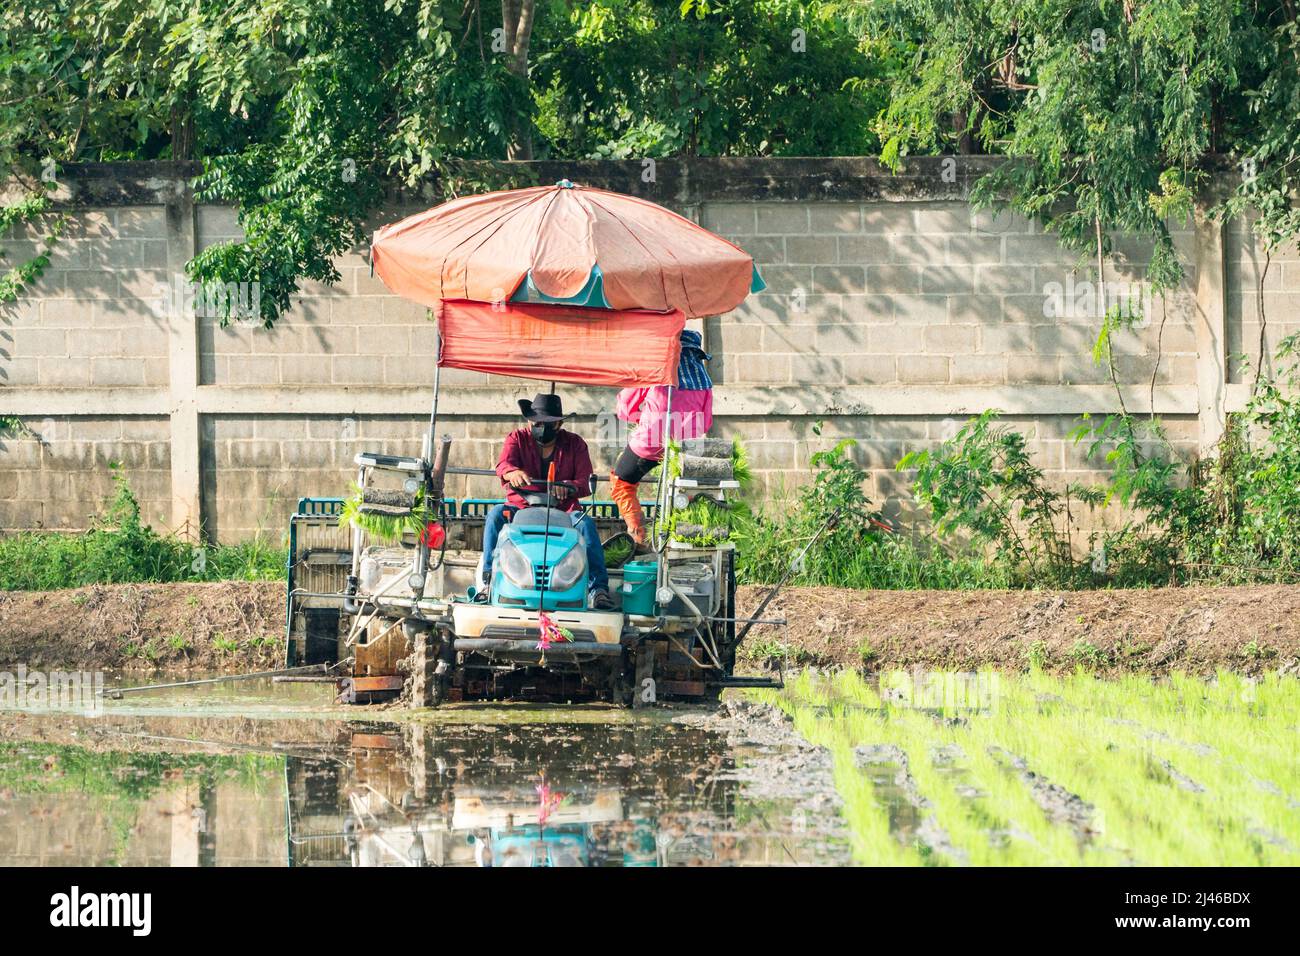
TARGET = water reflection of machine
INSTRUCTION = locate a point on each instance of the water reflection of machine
(538, 795)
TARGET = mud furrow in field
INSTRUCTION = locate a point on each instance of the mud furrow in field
(775, 763)
(927, 829)
(1059, 804)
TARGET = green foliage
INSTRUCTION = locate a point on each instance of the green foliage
(859, 552)
(1237, 520)
(25, 210)
(1145, 479)
(1114, 112)
(1088, 656)
(764, 651)
(983, 481)
(301, 112)
(715, 518)
(619, 550)
(1037, 655)
(225, 644)
(1243, 520)
(718, 519)
(630, 79)
(121, 548)
(740, 469)
(353, 95)
(866, 653)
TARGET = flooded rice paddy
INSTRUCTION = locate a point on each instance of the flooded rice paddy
(990, 769)
(932, 769)
(278, 776)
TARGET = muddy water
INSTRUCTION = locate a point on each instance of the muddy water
(255, 774)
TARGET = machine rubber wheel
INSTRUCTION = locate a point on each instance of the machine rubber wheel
(428, 689)
(725, 631)
(727, 637)
(643, 670)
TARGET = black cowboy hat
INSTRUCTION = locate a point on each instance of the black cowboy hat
(543, 408)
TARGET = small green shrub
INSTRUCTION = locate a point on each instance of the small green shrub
(1037, 655)
(866, 653)
(225, 644)
(1087, 655)
(121, 548)
(764, 650)
(983, 481)
(861, 551)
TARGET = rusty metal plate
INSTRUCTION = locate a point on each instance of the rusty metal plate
(360, 684)
(681, 688)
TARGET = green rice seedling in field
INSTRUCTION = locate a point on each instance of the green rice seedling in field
(1001, 826)
(1227, 747)
(1074, 770)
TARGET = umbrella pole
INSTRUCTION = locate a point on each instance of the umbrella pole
(431, 486)
(665, 495)
(427, 451)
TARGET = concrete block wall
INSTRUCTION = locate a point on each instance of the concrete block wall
(928, 294)
(243, 828)
(86, 328)
(894, 311)
(1255, 280)
(59, 476)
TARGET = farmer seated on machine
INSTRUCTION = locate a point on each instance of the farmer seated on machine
(526, 459)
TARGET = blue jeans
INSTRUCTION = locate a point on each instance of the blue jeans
(597, 575)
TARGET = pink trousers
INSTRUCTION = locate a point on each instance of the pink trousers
(691, 416)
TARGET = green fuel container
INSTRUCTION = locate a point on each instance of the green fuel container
(639, 579)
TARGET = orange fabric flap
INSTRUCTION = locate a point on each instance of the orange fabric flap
(561, 343)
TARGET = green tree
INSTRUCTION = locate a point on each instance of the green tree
(1115, 113)
(304, 112)
(649, 78)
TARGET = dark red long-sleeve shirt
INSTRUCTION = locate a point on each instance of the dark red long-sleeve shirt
(570, 456)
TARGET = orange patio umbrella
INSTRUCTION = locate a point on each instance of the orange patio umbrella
(562, 283)
(565, 244)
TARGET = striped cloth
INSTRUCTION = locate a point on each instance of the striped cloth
(691, 373)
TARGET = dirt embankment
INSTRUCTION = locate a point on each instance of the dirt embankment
(1248, 629)
(229, 626)
(239, 626)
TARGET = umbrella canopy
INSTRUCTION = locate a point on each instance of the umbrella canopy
(566, 244)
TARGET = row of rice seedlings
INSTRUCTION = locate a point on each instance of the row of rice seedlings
(1007, 806)
(1251, 773)
(864, 810)
(1081, 736)
(1140, 809)
(1003, 826)
(1241, 731)
(1074, 750)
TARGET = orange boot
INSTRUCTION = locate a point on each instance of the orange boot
(629, 508)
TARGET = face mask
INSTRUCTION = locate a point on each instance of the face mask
(545, 432)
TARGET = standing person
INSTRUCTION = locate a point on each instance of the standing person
(691, 417)
(526, 459)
